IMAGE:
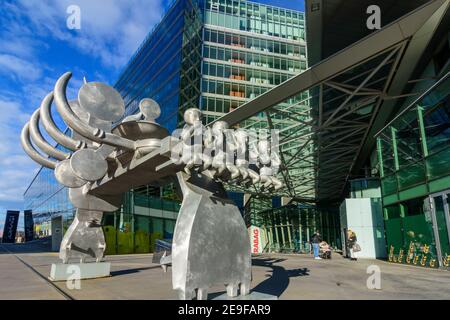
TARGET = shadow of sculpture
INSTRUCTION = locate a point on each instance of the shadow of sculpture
(130, 271)
(278, 281)
(277, 278)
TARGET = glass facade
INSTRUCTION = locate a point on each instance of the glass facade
(215, 55)
(414, 157)
(47, 198)
(142, 219)
(290, 228)
(166, 67)
(248, 48)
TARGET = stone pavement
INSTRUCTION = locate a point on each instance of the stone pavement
(286, 276)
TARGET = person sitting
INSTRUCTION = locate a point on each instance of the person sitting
(325, 250)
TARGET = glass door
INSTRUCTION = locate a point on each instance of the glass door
(441, 225)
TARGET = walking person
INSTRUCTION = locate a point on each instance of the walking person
(352, 245)
(316, 239)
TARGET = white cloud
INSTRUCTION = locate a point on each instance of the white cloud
(110, 29)
(16, 168)
(19, 68)
(20, 46)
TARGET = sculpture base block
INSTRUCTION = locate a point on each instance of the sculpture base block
(62, 272)
(252, 296)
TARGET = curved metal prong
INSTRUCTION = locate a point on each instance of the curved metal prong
(51, 128)
(40, 142)
(84, 129)
(31, 151)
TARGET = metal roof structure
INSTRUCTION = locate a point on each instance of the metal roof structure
(328, 114)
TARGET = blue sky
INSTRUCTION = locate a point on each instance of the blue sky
(37, 47)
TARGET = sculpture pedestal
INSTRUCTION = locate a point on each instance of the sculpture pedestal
(252, 296)
(73, 271)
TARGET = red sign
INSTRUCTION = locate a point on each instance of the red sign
(255, 240)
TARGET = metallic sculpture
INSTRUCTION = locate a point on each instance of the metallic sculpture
(210, 243)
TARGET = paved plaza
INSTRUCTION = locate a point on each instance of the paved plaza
(23, 273)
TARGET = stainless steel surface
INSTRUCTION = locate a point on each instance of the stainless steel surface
(84, 238)
(138, 130)
(39, 140)
(51, 128)
(83, 128)
(88, 164)
(101, 101)
(150, 109)
(66, 176)
(31, 151)
(211, 243)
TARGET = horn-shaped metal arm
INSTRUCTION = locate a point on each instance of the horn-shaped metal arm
(31, 151)
(40, 142)
(49, 125)
(74, 122)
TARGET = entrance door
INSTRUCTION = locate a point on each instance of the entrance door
(441, 225)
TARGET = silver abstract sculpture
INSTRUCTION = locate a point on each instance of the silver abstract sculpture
(210, 243)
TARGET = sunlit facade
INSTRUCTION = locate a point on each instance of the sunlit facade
(414, 165)
(162, 67)
(248, 48)
(215, 55)
(47, 198)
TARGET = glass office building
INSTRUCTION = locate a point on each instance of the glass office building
(248, 48)
(166, 67)
(212, 55)
(215, 55)
(414, 164)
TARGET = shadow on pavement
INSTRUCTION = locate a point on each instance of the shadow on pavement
(35, 246)
(129, 271)
(277, 283)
